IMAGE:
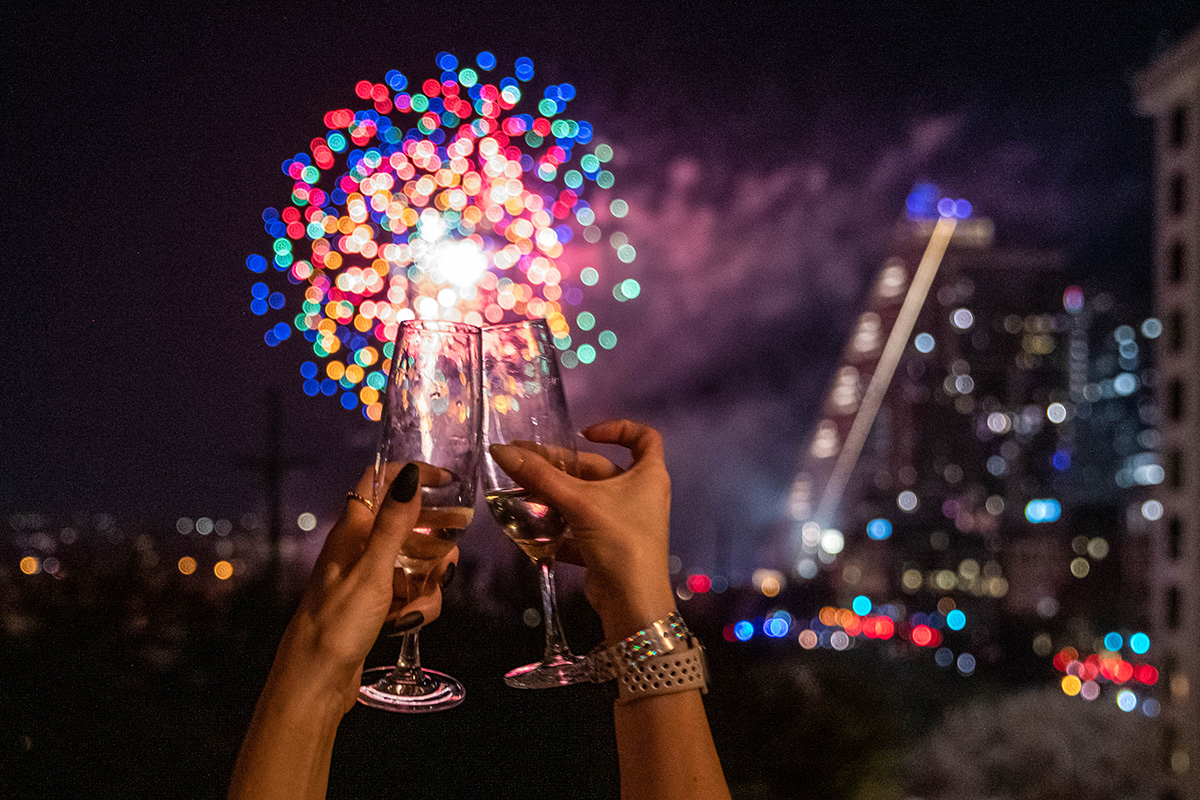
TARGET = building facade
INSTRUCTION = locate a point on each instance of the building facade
(1169, 92)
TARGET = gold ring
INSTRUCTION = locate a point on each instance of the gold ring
(361, 499)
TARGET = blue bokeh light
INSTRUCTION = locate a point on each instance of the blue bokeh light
(1037, 511)
(776, 628)
(879, 529)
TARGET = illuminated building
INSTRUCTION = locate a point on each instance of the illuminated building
(1009, 444)
(1169, 92)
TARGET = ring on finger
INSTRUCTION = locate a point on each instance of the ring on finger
(356, 496)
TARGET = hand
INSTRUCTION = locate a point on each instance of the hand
(350, 592)
(619, 520)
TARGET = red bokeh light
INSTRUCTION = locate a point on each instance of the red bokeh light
(699, 583)
(1146, 674)
(922, 635)
(1064, 657)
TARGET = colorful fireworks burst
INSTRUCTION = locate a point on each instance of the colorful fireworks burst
(451, 202)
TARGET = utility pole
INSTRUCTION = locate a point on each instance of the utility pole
(274, 465)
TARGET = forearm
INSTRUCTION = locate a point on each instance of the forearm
(666, 750)
(664, 744)
(289, 744)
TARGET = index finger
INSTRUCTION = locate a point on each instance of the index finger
(348, 537)
(642, 441)
(579, 463)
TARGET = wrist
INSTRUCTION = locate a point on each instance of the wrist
(303, 673)
(631, 610)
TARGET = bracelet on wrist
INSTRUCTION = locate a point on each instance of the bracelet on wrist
(662, 658)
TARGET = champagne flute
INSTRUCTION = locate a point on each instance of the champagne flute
(524, 404)
(432, 414)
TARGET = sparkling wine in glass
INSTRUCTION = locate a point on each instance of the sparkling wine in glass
(432, 415)
(524, 405)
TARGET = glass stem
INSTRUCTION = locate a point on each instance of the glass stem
(408, 665)
(556, 642)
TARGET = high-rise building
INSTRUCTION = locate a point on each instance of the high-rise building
(1168, 90)
(1014, 439)
(1016, 432)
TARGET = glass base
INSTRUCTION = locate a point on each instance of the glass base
(437, 692)
(558, 671)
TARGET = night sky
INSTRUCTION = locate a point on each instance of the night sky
(765, 157)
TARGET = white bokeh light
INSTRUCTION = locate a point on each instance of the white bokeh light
(1152, 510)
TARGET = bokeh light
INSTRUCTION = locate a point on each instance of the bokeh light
(223, 570)
(473, 198)
(879, 529)
(1038, 511)
(187, 565)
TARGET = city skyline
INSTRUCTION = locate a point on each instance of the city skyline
(119, 402)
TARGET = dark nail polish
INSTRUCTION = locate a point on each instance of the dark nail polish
(411, 620)
(405, 485)
(449, 574)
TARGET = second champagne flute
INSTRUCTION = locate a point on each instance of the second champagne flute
(524, 404)
(432, 414)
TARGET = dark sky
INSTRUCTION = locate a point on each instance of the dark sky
(141, 147)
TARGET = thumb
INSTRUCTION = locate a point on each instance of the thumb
(534, 473)
(396, 517)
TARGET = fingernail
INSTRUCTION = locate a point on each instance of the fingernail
(411, 620)
(405, 485)
(449, 574)
(508, 456)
